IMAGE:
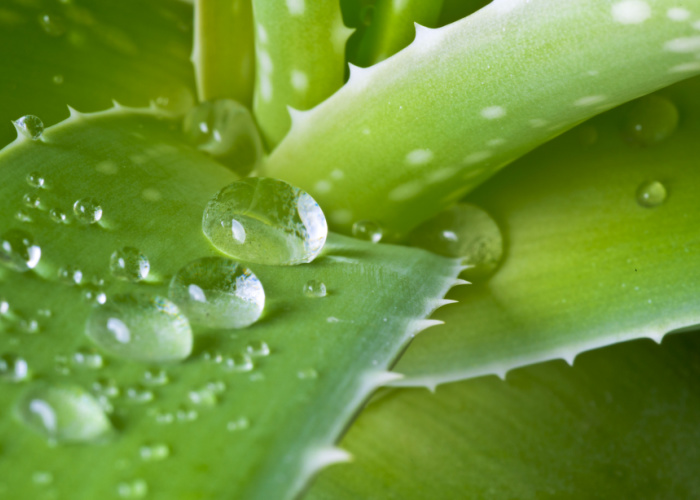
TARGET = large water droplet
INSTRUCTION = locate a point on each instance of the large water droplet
(30, 126)
(650, 120)
(367, 230)
(87, 210)
(651, 194)
(142, 329)
(218, 293)
(129, 264)
(225, 129)
(64, 413)
(463, 231)
(315, 289)
(13, 368)
(18, 250)
(265, 221)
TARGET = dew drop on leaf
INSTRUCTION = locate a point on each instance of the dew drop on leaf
(58, 216)
(141, 329)
(70, 275)
(63, 413)
(650, 120)
(225, 129)
(129, 264)
(367, 230)
(215, 292)
(464, 231)
(52, 24)
(31, 200)
(154, 452)
(13, 368)
(239, 363)
(30, 126)
(266, 221)
(87, 210)
(239, 424)
(315, 289)
(138, 488)
(18, 250)
(651, 194)
(35, 179)
(257, 348)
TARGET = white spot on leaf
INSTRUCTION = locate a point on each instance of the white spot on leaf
(631, 12)
(683, 45)
(419, 157)
(493, 112)
(589, 100)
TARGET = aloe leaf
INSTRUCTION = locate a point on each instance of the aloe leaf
(621, 423)
(447, 112)
(223, 53)
(588, 262)
(300, 59)
(391, 27)
(84, 54)
(229, 429)
(454, 10)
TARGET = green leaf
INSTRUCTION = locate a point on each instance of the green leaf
(460, 102)
(586, 263)
(129, 50)
(621, 423)
(223, 54)
(300, 59)
(226, 431)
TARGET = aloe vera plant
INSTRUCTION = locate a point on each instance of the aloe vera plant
(121, 377)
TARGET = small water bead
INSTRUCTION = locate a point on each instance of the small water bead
(57, 79)
(205, 396)
(93, 295)
(307, 374)
(463, 231)
(23, 216)
(70, 275)
(315, 289)
(18, 250)
(138, 488)
(87, 210)
(52, 24)
(155, 378)
(58, 216)
(265, 221)
(63, 413)
(139, 394)
(31, 200)
(141, 329)
(186, 415)
(106, 387)
(30, 126)
(13, 368)
(129, 264)
(215, 292)
(28, 325)
(257, 348)
(651, 194)
(367, 230)
(42, 478)
(239, 424)
(35, 179)
(154, 452)
(239, 363)
(650, 120)
(226, 130)
(88, 358)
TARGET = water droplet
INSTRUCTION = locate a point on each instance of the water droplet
(30, 126)
(154, 452)
(155, 377)
(203, 397)
(70, 275)
(52, 24)
(218, 293)
(129, 264)
(367, 230)
(239, 363)
(88, 358)
(139, 394)
(142, 329)
(57, 79)
(651, 194)
(464, 231)
(138, 488)
(265, 221)
(106, 387)
(35, 179)
(18, 250)
(28, 325)
(42, 478)
(31, 200)
(307, 374)
(93, 294)
(225, 129)
(64, 413)
(13, 368)
(257, 348)
(315, 289)
(650, 120)
(176, 100)
(58, 216)
(23, 216)
(239, 424)
(87, 210)
(185, 415)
